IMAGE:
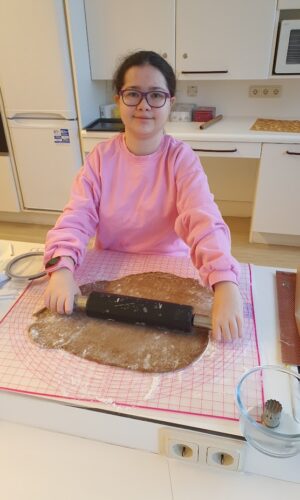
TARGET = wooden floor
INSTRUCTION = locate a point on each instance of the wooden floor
(265, 255)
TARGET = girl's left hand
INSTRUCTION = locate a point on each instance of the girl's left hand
(227, 311)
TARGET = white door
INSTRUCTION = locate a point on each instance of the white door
(47, 156)
(224, 38)
(117, 28)
(277, 200)
(35, 70)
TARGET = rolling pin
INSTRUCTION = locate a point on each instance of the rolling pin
(211, 122)
(139, 310)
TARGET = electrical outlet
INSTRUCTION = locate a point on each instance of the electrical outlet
(227, 458)
(254, 91)
(265, 91)
(271, 91)
(192, 90)
(183, 450)
(202, 449)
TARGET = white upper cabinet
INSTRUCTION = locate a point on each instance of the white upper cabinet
(229, 39)
(35, 69)
(117, 28)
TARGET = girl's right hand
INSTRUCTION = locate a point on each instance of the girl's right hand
(60, 292)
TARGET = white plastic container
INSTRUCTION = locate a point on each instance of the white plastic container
(182, 112)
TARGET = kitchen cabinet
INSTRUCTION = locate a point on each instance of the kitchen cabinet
(277, 201)
(35, 72)
(117, 28)
(231, 169)
(214, 39)
(9, 201)
(89, 143)
(226, 149)
(217, 39)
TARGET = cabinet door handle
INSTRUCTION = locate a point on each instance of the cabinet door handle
(204, 72)
(217, 150)
(292, 153)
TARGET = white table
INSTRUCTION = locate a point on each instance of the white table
(45, 464)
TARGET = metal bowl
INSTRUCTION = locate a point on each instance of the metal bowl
(265, 383)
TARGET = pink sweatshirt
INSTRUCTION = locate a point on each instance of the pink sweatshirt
(154, 204)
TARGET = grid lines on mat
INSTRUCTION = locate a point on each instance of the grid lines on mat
(204, 388)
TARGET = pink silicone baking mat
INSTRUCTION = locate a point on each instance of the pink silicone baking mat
(207, 387)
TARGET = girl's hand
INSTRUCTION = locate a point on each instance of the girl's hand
(60, 292)
(227, 312)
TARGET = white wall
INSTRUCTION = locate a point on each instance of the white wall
(231, 97)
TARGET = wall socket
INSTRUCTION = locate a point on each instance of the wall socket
(202, 449)
(265, 91)
(192, 90)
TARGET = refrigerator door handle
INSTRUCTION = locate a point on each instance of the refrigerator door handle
(39, 116)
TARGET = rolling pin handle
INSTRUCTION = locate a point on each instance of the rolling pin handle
(80, 302)
(201, 321)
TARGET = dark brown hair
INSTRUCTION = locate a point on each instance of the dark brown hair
(142, 58)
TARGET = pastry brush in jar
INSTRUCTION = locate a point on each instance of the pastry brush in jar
(136, 310)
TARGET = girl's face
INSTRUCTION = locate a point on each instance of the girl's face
(143, 121)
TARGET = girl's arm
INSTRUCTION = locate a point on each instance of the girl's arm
(69, 238)
(200, 225)
(80, 218)
(227, 312)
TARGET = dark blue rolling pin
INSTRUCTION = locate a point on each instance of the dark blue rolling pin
(136, 310)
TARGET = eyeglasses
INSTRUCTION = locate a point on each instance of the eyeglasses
(155, 98)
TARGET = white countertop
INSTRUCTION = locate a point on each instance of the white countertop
(229, 129)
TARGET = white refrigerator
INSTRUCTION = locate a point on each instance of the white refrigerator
(38, 93)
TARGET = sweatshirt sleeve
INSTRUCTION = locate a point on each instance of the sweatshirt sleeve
(200, 224)
(78, 222)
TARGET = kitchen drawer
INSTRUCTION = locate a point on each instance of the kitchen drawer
(227, 149)
(88, 143)
(219, 149)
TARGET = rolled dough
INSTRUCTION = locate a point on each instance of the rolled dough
(134, 347)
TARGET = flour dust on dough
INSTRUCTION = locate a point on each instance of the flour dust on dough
(134, 347)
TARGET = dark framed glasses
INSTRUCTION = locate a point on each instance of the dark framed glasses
(155, 98)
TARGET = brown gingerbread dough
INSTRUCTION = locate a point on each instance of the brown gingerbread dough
(134, 347)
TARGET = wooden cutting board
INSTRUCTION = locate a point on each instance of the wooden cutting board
(289, 337)
(270, 125)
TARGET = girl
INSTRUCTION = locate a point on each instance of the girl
(145, 192)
